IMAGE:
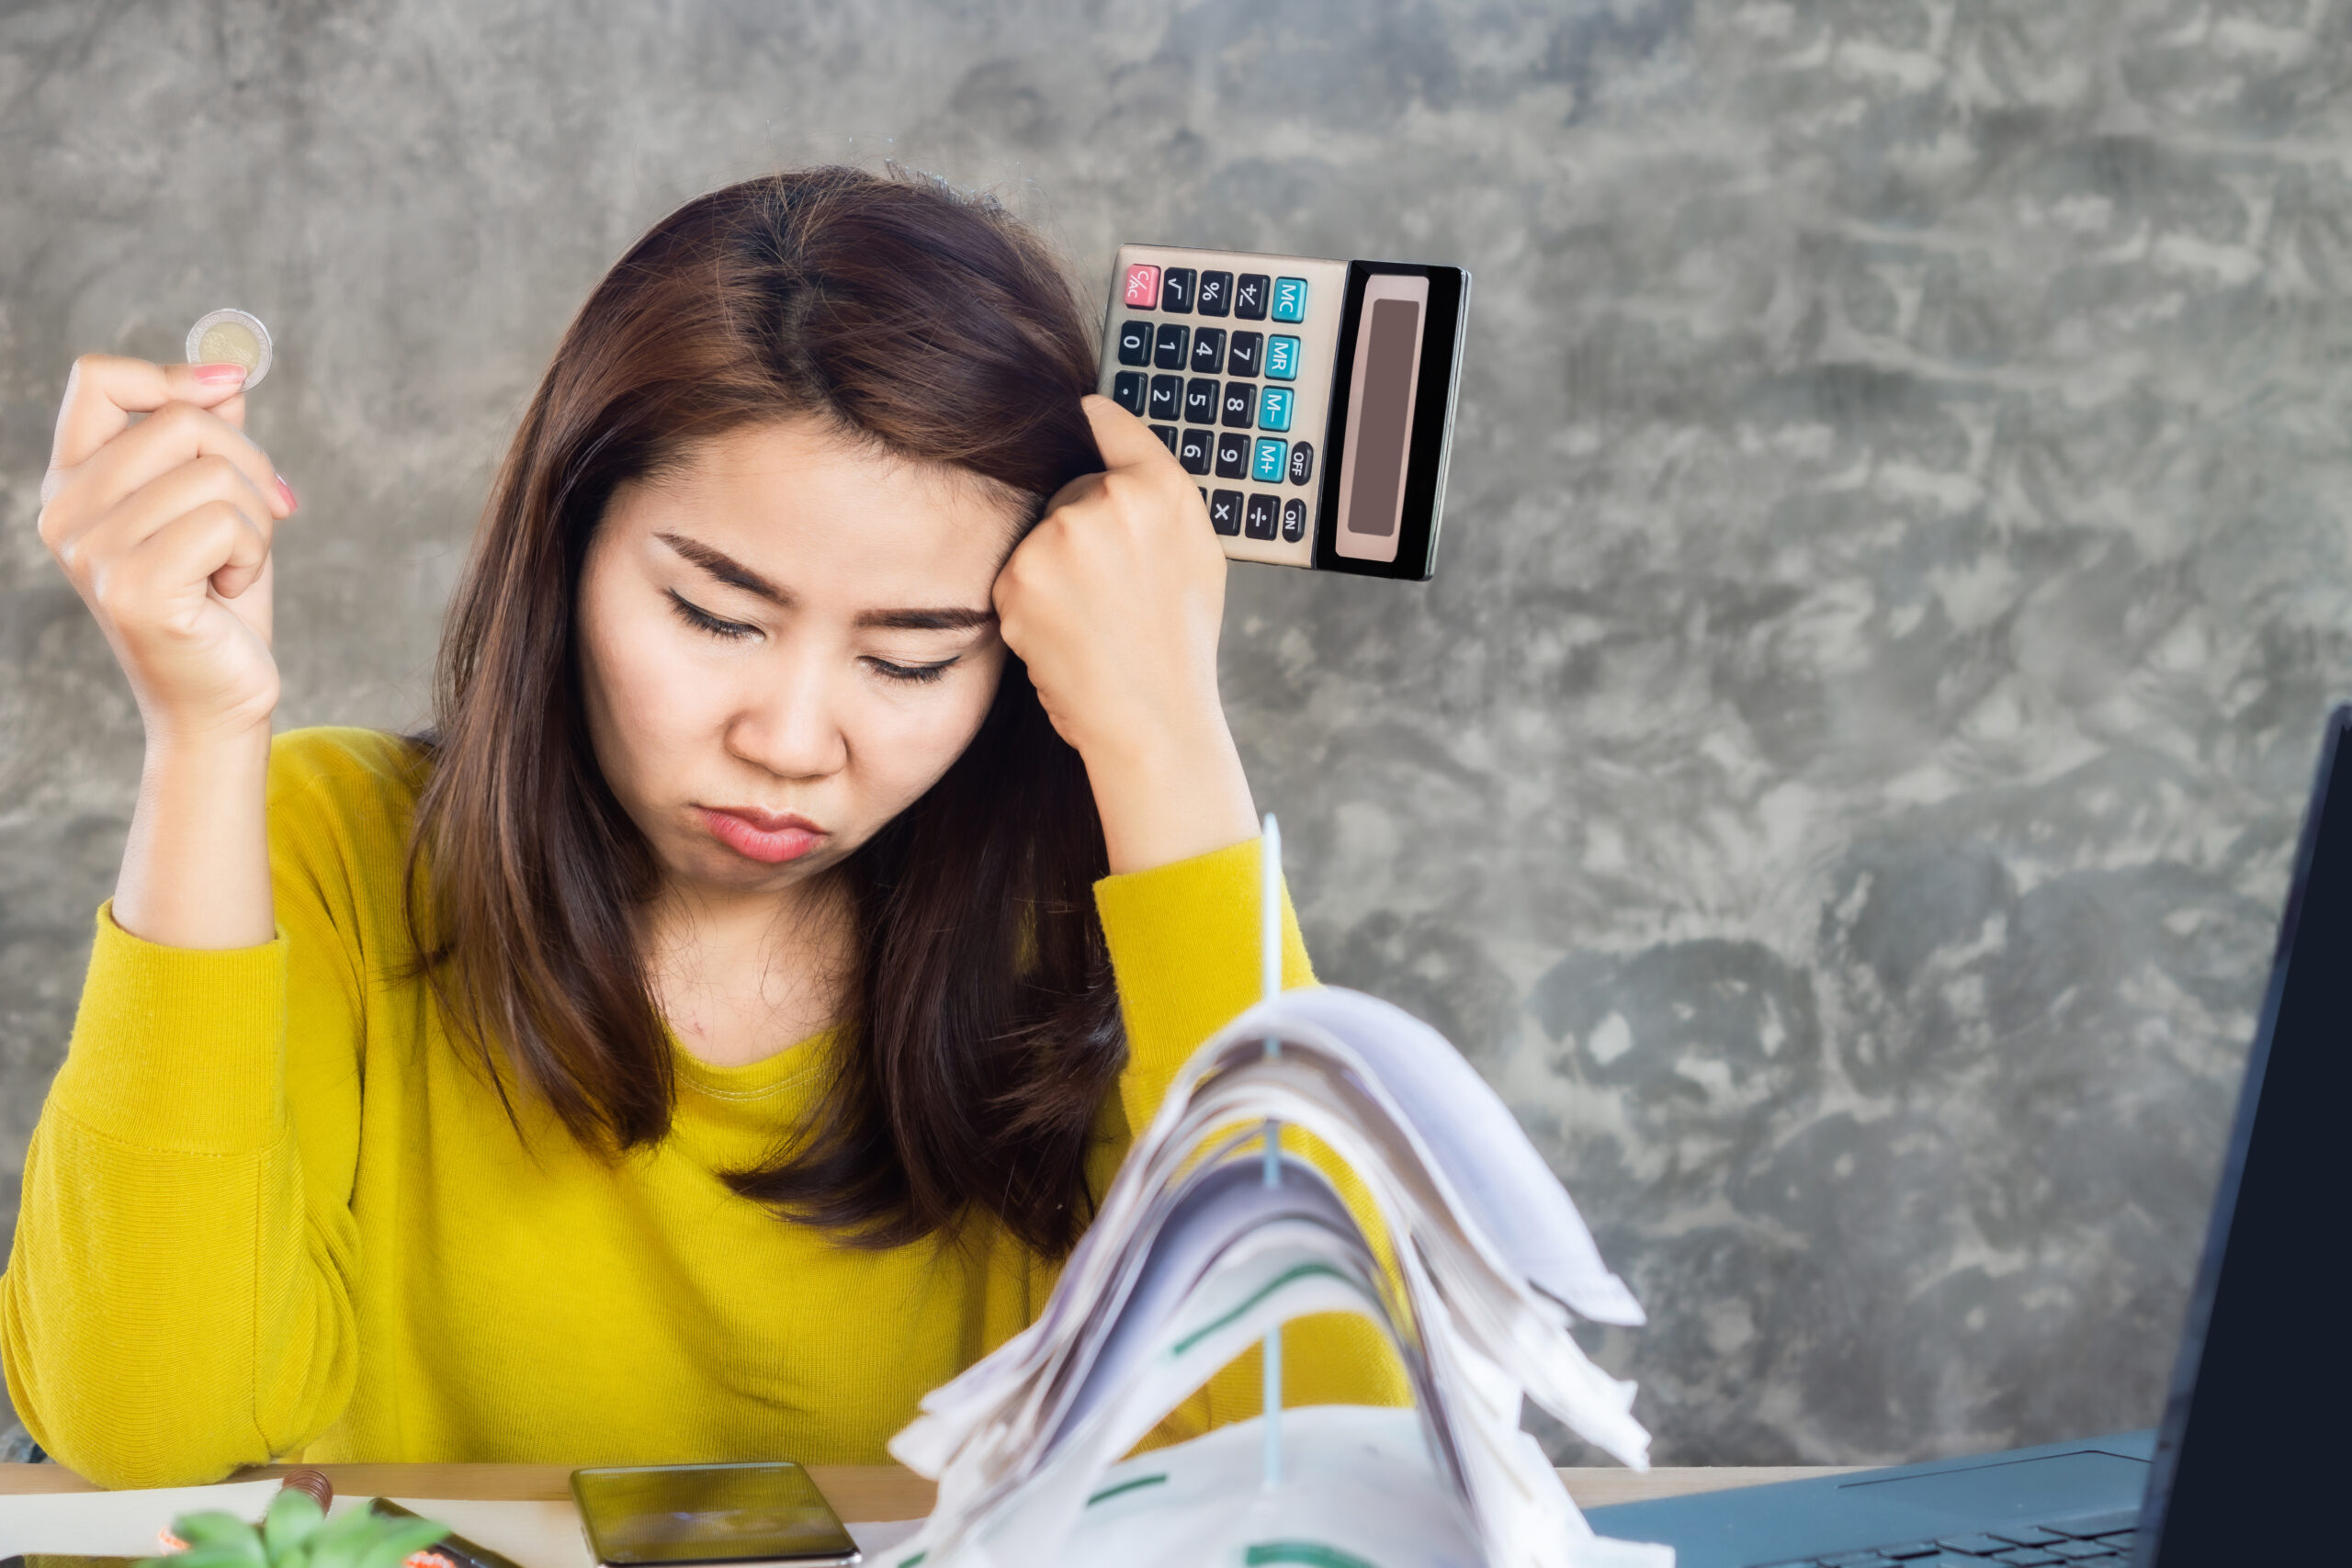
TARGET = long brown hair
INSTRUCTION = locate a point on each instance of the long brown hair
(983, 1029)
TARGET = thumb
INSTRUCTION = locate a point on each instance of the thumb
(1125, 441)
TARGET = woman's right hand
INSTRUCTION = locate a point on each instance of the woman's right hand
(165, 528)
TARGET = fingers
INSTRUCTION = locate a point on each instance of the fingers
(218, 543)
(105, 390)
(177, 434)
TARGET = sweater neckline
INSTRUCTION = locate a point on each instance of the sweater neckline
(794, 1064)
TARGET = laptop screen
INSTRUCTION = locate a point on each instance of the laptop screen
(2252, 1446)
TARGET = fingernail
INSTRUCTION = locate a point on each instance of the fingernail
(219, 375)
(286, 492)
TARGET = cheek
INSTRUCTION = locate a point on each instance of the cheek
(910, 740)
(644, 694)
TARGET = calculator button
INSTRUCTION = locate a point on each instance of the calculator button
(1225, 511)
(1247, 346)
(1301, 462)
(1273, 409)
(1167, 433)
(1127, 390)
(1290, 299)
(1135, 342)
(1232, 457)
(1176, 290)
(1200, 401)
(1208, 351)
(1168, 353)
(1193, 450)
(1241, 404)
(1267, 466)
(1216, 293)
(1249, 291)
(1282, 357)
(1143, 287)
(1294, 520)
(1166, 396)
(1264, 514)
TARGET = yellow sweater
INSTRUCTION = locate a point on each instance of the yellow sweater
(269, 1210)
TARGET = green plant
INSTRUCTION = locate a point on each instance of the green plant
(296, 1534)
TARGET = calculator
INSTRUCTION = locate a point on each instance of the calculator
(1313, 399)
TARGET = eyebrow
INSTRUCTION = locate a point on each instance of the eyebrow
(725, 569)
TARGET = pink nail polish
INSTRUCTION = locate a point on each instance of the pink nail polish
(219, 374)
(286, 492)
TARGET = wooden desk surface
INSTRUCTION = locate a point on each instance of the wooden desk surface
(856, 1491)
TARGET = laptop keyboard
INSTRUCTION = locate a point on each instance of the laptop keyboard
(2103, 1542)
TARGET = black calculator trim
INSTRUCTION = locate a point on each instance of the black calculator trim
(1433, 438)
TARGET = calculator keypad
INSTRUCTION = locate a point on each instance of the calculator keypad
(1243, 402)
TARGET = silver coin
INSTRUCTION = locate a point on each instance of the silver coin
(230, 337)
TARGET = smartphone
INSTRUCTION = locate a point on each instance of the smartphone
(742, 1514)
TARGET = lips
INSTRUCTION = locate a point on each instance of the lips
(761, 836)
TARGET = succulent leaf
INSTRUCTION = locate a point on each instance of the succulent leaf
(294, 1517)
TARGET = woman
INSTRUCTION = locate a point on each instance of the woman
(713, 1033)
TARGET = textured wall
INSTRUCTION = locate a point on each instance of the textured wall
(1841, 781)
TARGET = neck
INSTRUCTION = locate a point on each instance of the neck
(742, 977)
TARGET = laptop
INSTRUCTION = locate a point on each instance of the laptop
(2256, 1435)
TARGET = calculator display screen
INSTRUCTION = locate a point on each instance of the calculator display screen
(1385, 381)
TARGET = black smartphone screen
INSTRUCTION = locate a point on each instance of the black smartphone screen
(707, 1513)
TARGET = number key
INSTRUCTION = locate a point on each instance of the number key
(1169, 353)
(1241, 404)
(1208, 351)
(1166, 396)
(1243, 359)
(1194, 451)
(1232, 455)
(1135, 342)
(1200, 401)
(1126, 391)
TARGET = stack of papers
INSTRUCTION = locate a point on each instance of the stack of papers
(1475, 1263)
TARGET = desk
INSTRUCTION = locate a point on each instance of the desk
(856, 1491)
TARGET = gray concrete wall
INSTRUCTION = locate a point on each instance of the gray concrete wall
(1841, 782)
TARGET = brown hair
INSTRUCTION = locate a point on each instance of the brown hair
(983, 1030)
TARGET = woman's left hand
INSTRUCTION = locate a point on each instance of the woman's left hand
(1115, 601)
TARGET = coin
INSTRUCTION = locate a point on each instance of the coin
(230, 337)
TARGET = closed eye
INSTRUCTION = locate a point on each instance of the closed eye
(701, 619)
(912, 672)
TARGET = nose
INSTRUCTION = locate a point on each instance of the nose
(792, 726)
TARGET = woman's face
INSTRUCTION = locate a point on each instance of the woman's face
(785, 642)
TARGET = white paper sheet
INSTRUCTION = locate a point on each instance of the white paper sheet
(117, 1524)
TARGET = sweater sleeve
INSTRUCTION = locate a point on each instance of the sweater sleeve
(178, 1297)
(1184, 949)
